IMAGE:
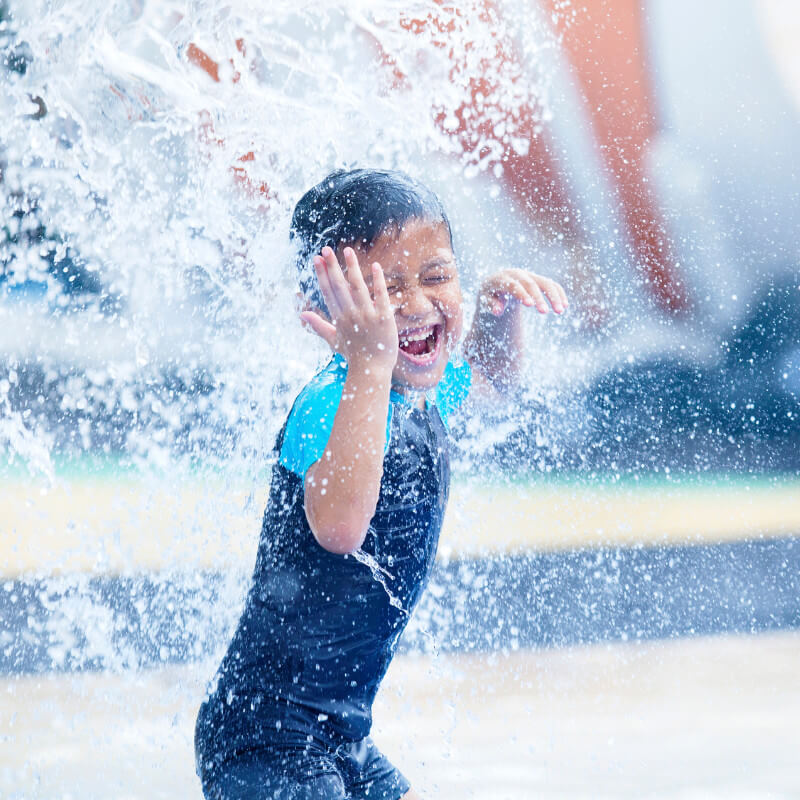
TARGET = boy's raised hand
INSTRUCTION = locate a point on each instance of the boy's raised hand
(523, 286)
(495, 345)
(360, 329)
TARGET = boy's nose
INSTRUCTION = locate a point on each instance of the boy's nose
(416, 303)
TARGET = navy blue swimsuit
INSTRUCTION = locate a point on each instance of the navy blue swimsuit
(292, 708)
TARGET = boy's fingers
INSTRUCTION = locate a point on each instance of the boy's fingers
(536, 293)
(527, 288)
(493, 300)
(514, 289)
(338, 283)
(320, 326)
(382, 303)
(550, 288)
(356, 279)
(325, 287)
(552, 291)
(522, 292)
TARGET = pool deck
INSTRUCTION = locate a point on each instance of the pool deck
(492, 716)
(711, 718)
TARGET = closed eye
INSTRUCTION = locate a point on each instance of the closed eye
(391, 288)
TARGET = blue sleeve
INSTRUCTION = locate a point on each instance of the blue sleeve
(311, 420)
(453, 389)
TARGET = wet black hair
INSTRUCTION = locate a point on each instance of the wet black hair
(355, 207)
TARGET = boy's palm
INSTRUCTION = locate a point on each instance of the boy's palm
(362, 330)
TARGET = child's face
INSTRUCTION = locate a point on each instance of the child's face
(422, 280)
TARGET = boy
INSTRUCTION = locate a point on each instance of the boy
(358, 493)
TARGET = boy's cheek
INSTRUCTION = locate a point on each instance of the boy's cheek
(455, 317)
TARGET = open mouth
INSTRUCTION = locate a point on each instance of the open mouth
(421, 345)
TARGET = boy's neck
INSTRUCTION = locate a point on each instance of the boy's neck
(410, 397)
(413, 397)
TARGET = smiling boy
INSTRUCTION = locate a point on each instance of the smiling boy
(359, 491)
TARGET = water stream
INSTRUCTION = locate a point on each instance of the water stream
(151, 155)
(380, 574)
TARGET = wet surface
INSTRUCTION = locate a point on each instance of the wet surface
(696, 718)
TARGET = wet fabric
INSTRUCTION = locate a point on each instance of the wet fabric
(319, 629)
(307, 772)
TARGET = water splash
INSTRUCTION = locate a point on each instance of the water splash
(380, 574)
(151, 155)
(32, 447)
(175, 139)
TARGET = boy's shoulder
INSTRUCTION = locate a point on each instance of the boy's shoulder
(310, 420)
(322, 391)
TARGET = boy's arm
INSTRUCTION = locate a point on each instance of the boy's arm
(494, 345)
(341, 488)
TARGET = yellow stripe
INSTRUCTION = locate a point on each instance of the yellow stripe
(130, 525)
(552, 517)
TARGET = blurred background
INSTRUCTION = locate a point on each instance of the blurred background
(618, 588)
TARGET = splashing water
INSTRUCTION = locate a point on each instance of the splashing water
(21, 441)
(380, 574)
(155, 150)
(150, 155)
(175, 140)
